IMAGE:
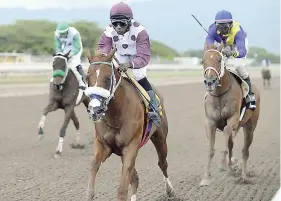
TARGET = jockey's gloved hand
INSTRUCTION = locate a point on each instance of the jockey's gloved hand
(124, 67)
(229, 53)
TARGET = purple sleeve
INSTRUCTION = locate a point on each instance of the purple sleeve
(143, 50)
(210, 39)
(240, 44)
(105, 43)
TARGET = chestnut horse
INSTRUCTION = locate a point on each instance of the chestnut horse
(223, 104)
(119, 115)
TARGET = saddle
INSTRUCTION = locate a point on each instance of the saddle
(148, 126)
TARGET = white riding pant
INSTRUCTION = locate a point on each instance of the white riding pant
(73, 62)
(241, 63)
(139, 73)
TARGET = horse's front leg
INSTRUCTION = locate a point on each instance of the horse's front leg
(101, 153)
(210, 128)
(129, 155)
(52, 106)
(69, 109)
(229, 129)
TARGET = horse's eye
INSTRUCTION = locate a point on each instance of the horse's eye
(107, 79)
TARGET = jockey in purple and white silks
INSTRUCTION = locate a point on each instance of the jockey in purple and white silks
(132, 44)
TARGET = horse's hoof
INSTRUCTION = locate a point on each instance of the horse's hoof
(40, 137)
(41, 131)
(170, 191)
(234, 160)
(90, 196)
(171, 194)
(222, 168)
(205, 182)
(57, 155)
(169, 188)
(134, 198)
(244, 180)
(77, 146)
(244, 177)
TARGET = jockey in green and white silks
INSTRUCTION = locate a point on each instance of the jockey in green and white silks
(67, 39)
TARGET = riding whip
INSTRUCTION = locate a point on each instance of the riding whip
(200, 24)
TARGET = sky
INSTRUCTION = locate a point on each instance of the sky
(168, 21)
(42, 4)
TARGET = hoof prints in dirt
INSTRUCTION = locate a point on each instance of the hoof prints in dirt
(27, 172)
(165, 198)
(77, 146)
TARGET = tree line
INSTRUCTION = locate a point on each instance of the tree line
(37, 37)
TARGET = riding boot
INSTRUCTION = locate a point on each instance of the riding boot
(81, 71)
(82, 83)
(154, 113)
(251, 99)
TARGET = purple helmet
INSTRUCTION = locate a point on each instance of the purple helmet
(121, 11)
(223, 16)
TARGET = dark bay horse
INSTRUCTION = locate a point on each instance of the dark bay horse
(266, 76)
(223, 103)
(64, 94)
(119, 114)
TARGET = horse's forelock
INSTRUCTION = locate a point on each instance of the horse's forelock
(99, 56)
(212, 47)
(209, 59)
(59, 62)
(99, 53)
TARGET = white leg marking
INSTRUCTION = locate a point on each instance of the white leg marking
(134, 198)
(169, 187)
(168, 183)
(42, 122)
(77, 137)
(59, 147)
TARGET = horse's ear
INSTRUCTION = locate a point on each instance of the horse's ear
(206, 47)
(89, 55)
(67, 54)
(111, 54)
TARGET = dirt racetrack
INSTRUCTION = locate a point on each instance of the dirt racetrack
(28, 172)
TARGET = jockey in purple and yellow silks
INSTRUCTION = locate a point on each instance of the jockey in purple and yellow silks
(235, 38)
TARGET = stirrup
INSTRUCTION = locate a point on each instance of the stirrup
(82, 87)
(251, 102)
(252, 106)
(155, 117)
